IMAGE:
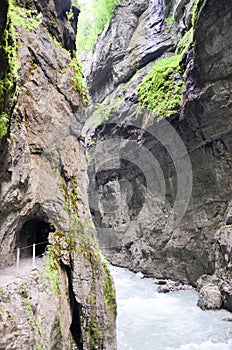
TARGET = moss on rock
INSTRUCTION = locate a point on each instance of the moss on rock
(51, 270)
(22, 17)
(9, 71)
(79, 84)
(109, 291)
(161, 90)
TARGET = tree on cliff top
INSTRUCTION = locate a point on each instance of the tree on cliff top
(94, 17)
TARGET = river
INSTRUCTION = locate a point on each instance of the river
(148, 320)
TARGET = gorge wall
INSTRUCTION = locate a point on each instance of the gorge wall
(70, 304)
(159, 165)
(160, 177)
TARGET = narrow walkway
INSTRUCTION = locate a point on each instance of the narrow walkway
(8, 275)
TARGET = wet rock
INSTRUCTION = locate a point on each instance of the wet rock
(160, 282)
(226, 292)
(135, 37)
(43, 188)
(139, 275)
(163, 289)
(137, 235)
(165, 286)
(210, 297)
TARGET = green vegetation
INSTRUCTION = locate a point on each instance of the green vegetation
(50, 271)
(3, 124)
(22, 17)
(81, 241)
(23, 290)
(87, 156)
(185, 41)
(10, 64)
(99, 266)
(9, 59)
(78, 80)
(76, 231)
(39, 347)
(104, 110)
(196, 8)
(92, 20)
(161, 90)
(109, 292)
(169, 23)
(1, 312)
(225, 227)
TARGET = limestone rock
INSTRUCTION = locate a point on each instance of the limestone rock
(43, 179)
(31, 315)
(166, 286)
(135, 37)
(226, 292)
(138, 234)
(210, 297)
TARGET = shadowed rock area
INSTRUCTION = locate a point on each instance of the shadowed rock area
(142, 177)
(69, 303)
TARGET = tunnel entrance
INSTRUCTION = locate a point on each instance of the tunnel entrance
(33, 231)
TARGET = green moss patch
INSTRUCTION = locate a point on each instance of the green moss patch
(9, 61)
(51, 272)
(78, 80)
(22, 17)
(185, 41)
(106, 109)
(199, 4)
(9, 71)
(161, 90)
(79, 84)
(169, 21)
(109, 292)
(3, 124)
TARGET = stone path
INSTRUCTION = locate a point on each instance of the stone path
(8, 275)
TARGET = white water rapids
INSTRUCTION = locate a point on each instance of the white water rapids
(148, 320)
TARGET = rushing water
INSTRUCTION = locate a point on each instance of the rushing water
(148, 320)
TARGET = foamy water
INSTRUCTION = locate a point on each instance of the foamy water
(148, 320)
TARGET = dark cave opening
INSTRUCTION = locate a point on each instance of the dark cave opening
(33, 231)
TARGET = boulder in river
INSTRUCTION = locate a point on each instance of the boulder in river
(210, 297)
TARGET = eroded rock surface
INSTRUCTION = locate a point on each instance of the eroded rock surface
(210, 297)
(44, 189)
(134, 220)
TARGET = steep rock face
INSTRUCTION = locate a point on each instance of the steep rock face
(60, 18)
(142, 177)
(32, 317)
(135, 37)
(44, 189)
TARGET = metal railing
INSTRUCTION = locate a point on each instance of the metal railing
(19, 249)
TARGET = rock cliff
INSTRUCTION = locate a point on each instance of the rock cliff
(69, 303)
(159, 135)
